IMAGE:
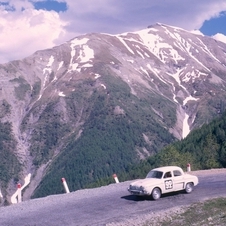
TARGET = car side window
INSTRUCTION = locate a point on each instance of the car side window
(177, 173)
(167, 174)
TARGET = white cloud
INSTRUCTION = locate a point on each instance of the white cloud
(24, 32)
(128, 15)
(220, 37)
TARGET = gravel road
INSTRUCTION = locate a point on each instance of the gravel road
(110, 205)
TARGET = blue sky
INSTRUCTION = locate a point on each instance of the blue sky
(215, 25)
(30, 25)
(51, 5)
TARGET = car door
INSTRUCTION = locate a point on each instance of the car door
(168, 182)
(178, 180)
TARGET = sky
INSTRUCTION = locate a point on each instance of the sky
(30, 25)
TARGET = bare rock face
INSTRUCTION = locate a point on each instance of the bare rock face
(160, 77)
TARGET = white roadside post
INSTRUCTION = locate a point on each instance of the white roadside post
(65, 185)
(116, 178)
(1, 196)
(188, 167)
(19, 196)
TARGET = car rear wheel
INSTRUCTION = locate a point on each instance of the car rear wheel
(156, 193)
(189, 188)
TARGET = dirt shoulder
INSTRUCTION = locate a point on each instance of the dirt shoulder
(208, 172)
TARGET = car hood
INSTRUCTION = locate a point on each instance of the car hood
(146, 182)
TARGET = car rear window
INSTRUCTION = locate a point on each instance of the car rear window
(177, 173)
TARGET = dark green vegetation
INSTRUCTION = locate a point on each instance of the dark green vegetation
(210, 212)
(47, 135)
(204, 148)
(10, 166)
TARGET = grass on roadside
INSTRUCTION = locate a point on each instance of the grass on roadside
(210, 212)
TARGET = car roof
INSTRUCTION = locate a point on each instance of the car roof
(168, 168)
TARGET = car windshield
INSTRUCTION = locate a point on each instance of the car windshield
(154, 174)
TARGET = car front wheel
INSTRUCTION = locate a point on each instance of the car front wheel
(156, 193)
(189, 188)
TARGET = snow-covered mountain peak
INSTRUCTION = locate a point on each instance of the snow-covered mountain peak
(197, 32)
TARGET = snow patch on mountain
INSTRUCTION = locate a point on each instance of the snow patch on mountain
(197, 32)
(186, 127)
(124, 43)
(48, 69)
(61, 94)
(85, 54)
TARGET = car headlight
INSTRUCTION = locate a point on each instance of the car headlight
(142, 188)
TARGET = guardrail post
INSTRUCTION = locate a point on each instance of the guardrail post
(188, 167)
(116, 178)
(1, 196)
(19, 196)
(65, 185)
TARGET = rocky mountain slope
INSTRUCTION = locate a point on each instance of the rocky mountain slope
(104, 102)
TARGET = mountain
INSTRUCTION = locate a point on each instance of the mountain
(99, 103)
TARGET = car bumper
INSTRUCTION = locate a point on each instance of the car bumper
(137, 192)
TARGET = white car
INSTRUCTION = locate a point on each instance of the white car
(163, 180)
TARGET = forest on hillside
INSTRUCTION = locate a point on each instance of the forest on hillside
(9, 164)
(204, 148)
(112, 138)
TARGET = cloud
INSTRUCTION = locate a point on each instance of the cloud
(220, 37)
(128, 15)
(25, 29)
(24, 32)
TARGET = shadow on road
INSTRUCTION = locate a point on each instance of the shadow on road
(145, 198)
(135, 198)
